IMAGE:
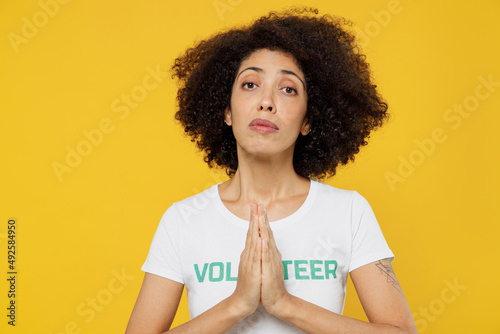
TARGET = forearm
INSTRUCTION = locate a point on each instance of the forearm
(218, 319)
(312, 318)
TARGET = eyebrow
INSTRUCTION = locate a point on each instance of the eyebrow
(258, 69)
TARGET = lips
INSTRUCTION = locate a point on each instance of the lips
(263, 125)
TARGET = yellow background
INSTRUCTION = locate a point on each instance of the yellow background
(77, 233)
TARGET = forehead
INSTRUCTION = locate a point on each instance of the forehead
(270, 58)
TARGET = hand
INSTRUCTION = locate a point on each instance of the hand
(273, 291)
(247, 292)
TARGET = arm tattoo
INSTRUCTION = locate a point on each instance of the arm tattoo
(386, 269)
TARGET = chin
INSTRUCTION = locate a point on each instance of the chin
(265, 151)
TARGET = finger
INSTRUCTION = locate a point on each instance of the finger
(258, 254)
(255, 239)
(271, 253)
(263, 229)
(252, 215)
(268, 253)
(257, 218)
(265, 257)
(265, 220)
(269, 231)
(251, 244)
(256, 228)
(250, 231)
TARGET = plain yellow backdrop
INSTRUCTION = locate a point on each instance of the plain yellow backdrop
(91, 79)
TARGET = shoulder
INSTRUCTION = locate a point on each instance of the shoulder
(186, 209)
(325, 190)
(200, 199)
(345, 198)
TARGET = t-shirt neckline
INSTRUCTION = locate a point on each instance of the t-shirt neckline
(277, 224)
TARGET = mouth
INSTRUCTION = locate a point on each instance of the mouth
(263, 125)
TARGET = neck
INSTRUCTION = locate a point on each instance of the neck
(265, 179)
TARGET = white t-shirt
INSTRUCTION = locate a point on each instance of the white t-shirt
(199, 242)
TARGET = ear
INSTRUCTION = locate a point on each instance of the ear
(227, 116)
(306, 127)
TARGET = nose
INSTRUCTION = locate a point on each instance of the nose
(267, 107)
(267, 101)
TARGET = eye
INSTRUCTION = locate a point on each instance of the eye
(248, 85)
(290, 90)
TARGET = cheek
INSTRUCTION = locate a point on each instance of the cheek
(296, 116)
(237, 115)
(239, 109)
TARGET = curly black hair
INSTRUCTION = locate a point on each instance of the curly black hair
(343, 105)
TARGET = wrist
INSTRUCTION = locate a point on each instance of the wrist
(284, 307)
(238, 307)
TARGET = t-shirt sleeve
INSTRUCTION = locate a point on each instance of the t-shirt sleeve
(368, 242)
(163, 258)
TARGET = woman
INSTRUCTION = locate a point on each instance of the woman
(276, 103)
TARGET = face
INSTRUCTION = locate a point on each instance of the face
(268, 104)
